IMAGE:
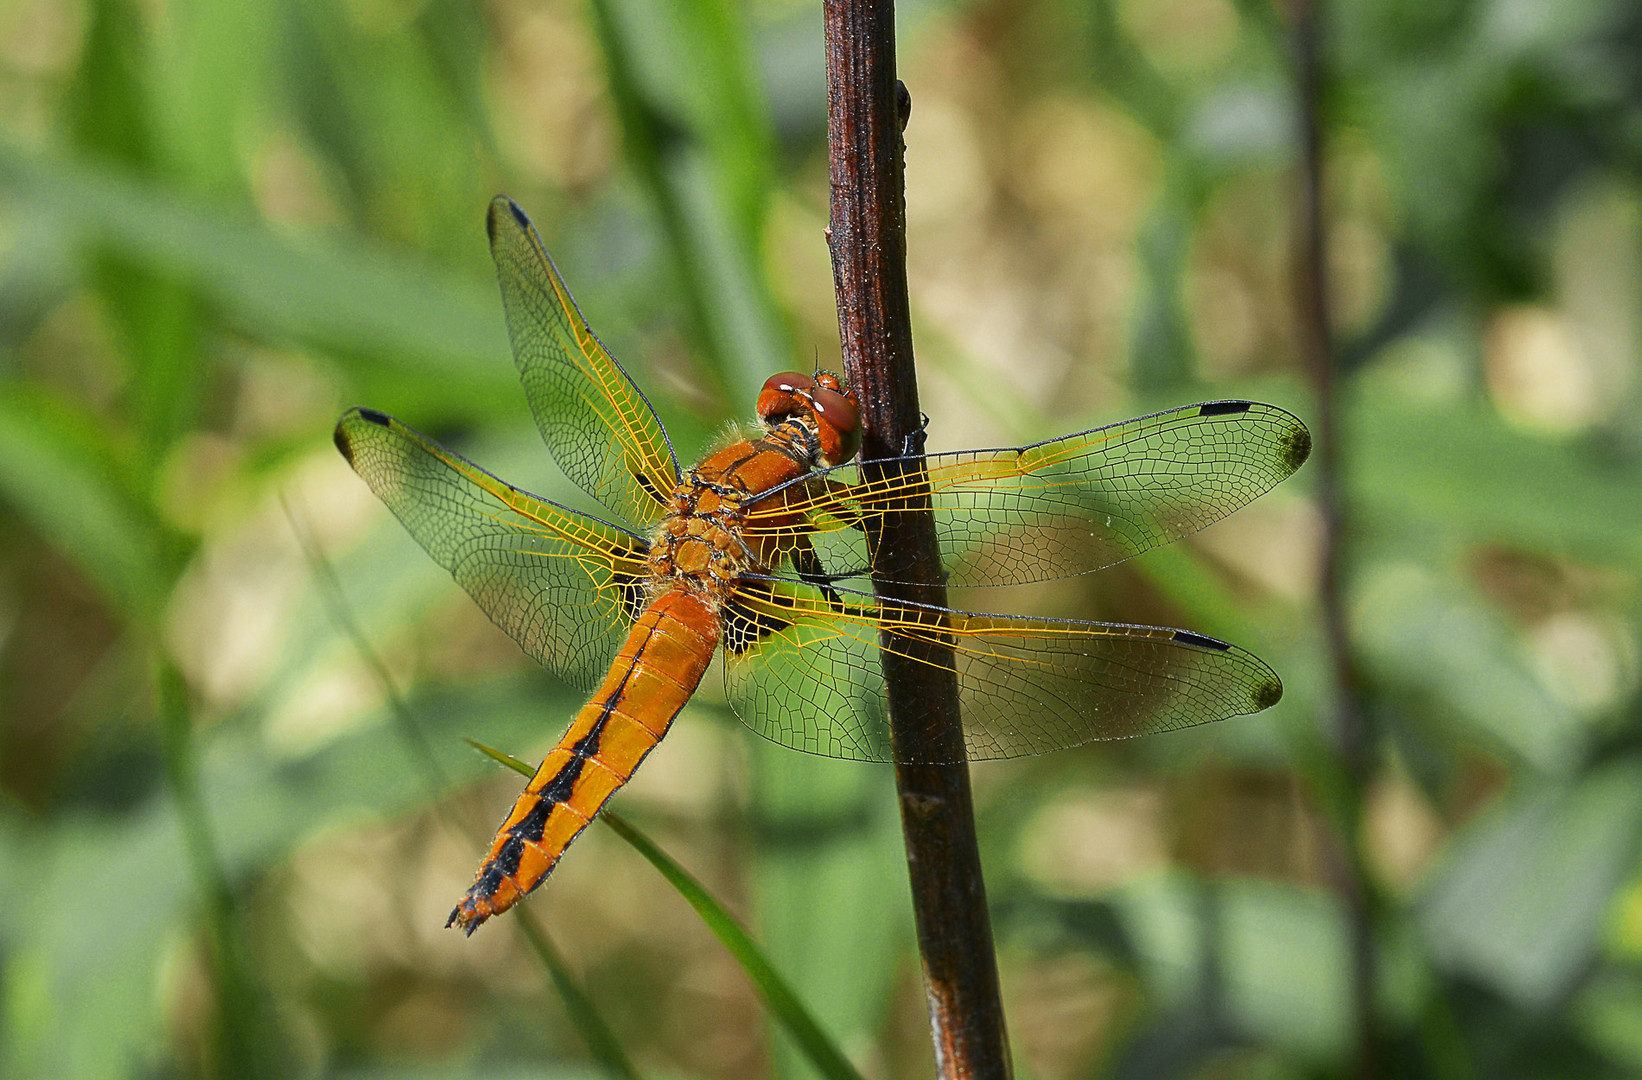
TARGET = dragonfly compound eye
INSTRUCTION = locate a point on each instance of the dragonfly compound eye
(786, 394)
(837, 424)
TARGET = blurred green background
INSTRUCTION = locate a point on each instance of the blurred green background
(221, 223)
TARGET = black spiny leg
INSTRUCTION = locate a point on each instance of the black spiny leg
(808, 566)
(914, 443)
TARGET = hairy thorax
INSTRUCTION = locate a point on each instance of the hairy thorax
(700, 543)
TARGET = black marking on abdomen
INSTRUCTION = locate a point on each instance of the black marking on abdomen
(533, 826)
(1225, 408)
(588, 745)
(1186, 637)
(507, 859)
(559, 788)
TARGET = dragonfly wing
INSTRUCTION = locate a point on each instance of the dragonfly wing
(805, 670)
(564, 585)
(597, 423)
(1067, 506)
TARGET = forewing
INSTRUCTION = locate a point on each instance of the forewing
(598, 425)
(1067, 506)
(804, 670)
(564, 585)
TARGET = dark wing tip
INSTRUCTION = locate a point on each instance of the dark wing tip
(1201, 641)
(494, 217)
(1224, 408)
(344, 442)
(1268, 693)
(1296, 447)
(344, 439)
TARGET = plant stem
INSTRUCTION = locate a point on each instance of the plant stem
(866, 111)
(1350, 725)
(236, 1047)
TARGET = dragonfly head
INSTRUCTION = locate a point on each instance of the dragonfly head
(821, 403)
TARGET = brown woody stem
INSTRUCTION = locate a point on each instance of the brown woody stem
(866, 111)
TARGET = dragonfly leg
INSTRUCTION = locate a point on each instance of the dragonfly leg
(913, 445)
(810, 571)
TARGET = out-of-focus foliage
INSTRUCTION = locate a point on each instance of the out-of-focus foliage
(221, 223)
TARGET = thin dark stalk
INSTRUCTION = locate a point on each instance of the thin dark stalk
(236, 1044)
(867, 109)
(1350, 724)
(601, 1040)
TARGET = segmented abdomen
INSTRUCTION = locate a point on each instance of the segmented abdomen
(654, 674)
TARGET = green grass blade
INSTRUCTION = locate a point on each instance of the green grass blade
(237, 1036)
(601, 1041)
(782, 1001)
(60, 472)
(698, 139)
(349, 295)
(606, 1048)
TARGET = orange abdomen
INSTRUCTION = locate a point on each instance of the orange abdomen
(658, 668)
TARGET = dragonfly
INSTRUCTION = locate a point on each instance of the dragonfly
(766, 551)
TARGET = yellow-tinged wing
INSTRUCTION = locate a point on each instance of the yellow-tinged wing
(1067, 506)
(564, 585)
(598, 425)
(804, 669)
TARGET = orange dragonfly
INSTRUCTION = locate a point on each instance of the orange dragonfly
(765, 548)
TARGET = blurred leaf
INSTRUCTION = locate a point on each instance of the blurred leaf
(1609, 1014)
(524, 1071)
(777, 995)
(833, 905)
(1460, 471)
(1520, 898)
(215, 59)
(1420, 634)
(92, 952)
(109, 111)
(605, 1047)
(349, 296)
(58, 472)
(372, 90)
(1276, 955)
(697, 135)
(113, 113)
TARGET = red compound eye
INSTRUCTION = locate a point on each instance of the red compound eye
(789, 381)
(837, 424)
(785, 394)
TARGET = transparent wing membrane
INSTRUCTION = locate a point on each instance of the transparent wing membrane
(804, 669)
(564, 585)
(598, 425)
(1067, 506)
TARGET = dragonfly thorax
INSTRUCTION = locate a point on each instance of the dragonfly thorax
(701, 542)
